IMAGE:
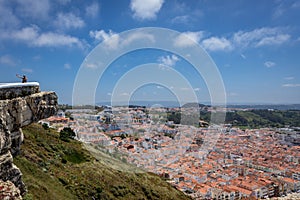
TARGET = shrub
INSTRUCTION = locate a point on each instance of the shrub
(66, 134)
(45, 126)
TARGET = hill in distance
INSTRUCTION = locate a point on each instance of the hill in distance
(172, 104)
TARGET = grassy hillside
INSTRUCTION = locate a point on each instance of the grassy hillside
(259, 118)
(264, 118)
(54, 169)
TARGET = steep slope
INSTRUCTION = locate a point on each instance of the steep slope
(20, 105)
(54, 169)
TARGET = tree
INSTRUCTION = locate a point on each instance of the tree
(174, 116)
(66, 134)
(45, 126)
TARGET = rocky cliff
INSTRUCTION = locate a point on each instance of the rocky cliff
(20, 105)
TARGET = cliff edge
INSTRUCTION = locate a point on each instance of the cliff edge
(20, 105)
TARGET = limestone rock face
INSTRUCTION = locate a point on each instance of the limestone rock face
(8, 191)
(15, 113)
(13, 90)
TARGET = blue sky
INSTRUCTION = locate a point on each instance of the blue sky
(254, 44)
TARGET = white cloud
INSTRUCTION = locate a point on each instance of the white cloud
(256, 38)
(184, 19)
(169, 61)
(92, 10)
(113, 40)
(110, 39)
(291, 85)
(289, 78)
(101, 35)
(55, 40)
(33, 8)
(27, 70)
(67, 66)
(273, 40)
(260, 37)
(33, 37)
(187, 39)
(27, 34)
(217, 44)
(91, 65)
(8, 19)
(196, 89)
(7, 60)
(145, 9)
(283, 7)
(143, 36)
(68, 21)
(279, 11)
(269, 64)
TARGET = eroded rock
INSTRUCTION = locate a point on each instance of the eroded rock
(8, 191)
(15, 112)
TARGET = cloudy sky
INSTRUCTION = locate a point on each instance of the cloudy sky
(255, 46)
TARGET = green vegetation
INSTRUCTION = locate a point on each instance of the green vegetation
(45, 126)
(55, 169)
(264, 118)
(256, 118)
(66, 134)
(174, 116)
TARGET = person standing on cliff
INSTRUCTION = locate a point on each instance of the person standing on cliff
(24, 78)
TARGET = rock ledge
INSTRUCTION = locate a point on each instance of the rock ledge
(19, 106)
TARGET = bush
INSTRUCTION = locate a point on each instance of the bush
(45, 126)
(66, 134)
